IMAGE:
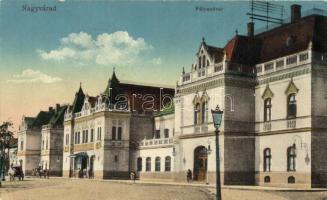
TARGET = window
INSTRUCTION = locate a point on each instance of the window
(167, 163)
(203, 61)
(119, 133)
(139, 164)
(148, 164)
(67, 139)
(291, 179)
(47, 144)
(78, 137)
(83, 136)
(291, 155)
(291, 106)
(42, 144)
(21, 145)
(116, 158)
(99, 133)
(266, 160)
(197, 114)
(166, 132)
(200, 62)
(157, 134)
(157, 164)
(267, 109)
(92, 135)
(75, 139)
(267, 179)
(204, 112)
(86, 136)
(113, 130)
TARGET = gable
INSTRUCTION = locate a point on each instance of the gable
(267, 93)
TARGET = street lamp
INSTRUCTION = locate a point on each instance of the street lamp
(217, 116)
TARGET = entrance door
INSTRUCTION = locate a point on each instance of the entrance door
(200, 163)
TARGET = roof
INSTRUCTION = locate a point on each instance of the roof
(291, 38)
(58, 117)
(78, 101)
(130, 90)
(42, 118)
(278, 42)
(92, 100)
(29, 121)
(215, 52)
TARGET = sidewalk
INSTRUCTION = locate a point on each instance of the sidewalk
(211, 187)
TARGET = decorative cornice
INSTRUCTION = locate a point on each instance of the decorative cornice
(224, 81)
(283, 76)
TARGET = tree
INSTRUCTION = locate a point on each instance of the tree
(5, 137)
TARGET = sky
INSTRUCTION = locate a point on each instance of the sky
(45, 55)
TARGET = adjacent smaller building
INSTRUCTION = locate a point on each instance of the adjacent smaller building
(41, 131)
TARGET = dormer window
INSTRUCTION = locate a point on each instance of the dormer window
(290, 41)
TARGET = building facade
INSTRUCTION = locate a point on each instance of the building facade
(103, 132)
(271, 87)
(40, 141)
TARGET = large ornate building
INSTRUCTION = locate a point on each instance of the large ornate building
(271, 87)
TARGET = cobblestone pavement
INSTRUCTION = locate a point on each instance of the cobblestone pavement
(71, 189)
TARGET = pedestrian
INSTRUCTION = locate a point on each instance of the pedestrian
(133, 176)
(189, 175)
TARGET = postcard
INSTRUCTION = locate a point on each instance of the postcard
(163, 100)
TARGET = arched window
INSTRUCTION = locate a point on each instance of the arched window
(266, 159)
(267, 179)
(291, 106)
(267, 109)
(139, 164)
(197, 114)
(203, 61)
(291, 179)
(204, 112)
(200, 62)
(157, 165)
(291, 155)
(167, 163)
(148, 164)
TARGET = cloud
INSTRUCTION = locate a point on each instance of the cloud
(156, 61)
(117, 48)
(33, 76)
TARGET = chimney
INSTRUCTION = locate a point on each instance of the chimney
(250, 29)
(295, 13)
(50, 109)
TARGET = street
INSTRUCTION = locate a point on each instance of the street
(70, 189)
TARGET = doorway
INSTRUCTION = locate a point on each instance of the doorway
(200, 163)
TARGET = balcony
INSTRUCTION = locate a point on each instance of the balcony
(285, 62)
(116, 143)
(211, 70)
(283, 124)
(84, 147)
(95, 109)
(156, 142)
